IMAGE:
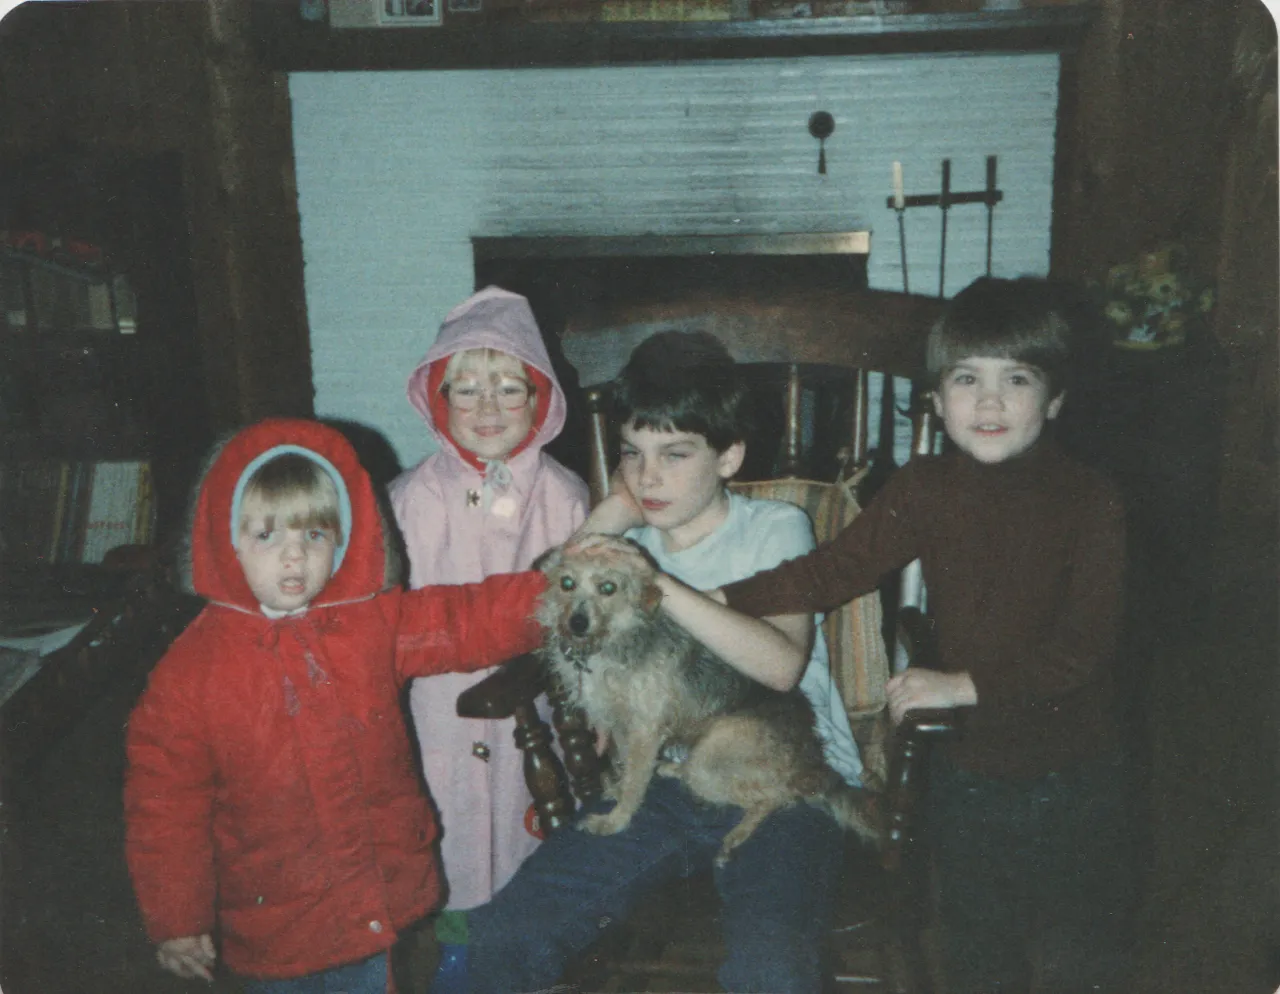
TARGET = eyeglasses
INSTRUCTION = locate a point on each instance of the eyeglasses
(467, 395)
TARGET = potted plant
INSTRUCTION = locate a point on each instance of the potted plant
(1152, 301)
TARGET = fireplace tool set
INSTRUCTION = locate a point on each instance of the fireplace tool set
(944, 200)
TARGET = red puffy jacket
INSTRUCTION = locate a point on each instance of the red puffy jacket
(270, 787)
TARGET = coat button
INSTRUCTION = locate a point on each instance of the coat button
(480, 750)
(375, 926)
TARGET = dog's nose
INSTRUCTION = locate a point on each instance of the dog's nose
(579, 623)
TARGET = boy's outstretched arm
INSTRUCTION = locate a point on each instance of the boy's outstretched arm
(773, 651)
(468, 626)
(879, 540)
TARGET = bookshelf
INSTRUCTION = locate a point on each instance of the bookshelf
(103, 415)
(66, 371)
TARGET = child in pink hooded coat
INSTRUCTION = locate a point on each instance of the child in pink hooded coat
(489, 501)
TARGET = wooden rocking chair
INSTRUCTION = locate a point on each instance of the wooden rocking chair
(878, 938)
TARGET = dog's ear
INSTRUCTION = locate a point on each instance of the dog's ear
(549, 560)
(650, 599)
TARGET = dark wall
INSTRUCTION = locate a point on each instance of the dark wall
(1169, 133)
(132, 80)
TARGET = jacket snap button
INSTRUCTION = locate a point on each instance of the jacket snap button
(375, 926)
(480, 750)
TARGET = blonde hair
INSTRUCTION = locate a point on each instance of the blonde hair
(295, 492)
(486, 364)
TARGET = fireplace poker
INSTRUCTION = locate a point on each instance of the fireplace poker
(991, 206)
(900, 208)
(944, 203)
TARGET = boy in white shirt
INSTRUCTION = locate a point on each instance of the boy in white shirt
(682, 408)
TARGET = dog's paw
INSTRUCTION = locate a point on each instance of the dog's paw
(610, 787)
(610, 823)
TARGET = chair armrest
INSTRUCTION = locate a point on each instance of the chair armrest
(515, 683)
(929, 724)
(904, 859)
(913, 741)
(511, 692)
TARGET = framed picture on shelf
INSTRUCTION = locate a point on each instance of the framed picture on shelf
(409, 13)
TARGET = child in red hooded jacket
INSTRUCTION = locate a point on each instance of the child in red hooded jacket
(271, 797)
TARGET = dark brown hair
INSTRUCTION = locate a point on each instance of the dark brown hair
(683, 381)
(1003, 319)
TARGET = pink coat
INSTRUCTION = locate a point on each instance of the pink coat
(461, 526)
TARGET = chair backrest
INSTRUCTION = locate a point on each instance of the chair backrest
(855, 632)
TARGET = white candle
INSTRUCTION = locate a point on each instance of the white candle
(899, 198)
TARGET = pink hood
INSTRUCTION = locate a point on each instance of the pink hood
(491, 319)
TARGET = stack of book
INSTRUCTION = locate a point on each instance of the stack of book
(73, 512)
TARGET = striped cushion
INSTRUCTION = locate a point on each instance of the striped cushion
(859, 662)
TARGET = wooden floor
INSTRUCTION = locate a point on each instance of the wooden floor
(1210, 921)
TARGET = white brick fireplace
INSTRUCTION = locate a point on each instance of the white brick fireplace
(398, 171)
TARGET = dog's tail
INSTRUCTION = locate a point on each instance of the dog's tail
(854, 808)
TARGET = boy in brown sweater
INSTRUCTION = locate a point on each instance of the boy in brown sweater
(1023, 555)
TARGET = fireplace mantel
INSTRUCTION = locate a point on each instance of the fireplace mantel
(650, 246)
(284, 41)
(775, 320)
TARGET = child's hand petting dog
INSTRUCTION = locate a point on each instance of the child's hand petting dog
(626, 554)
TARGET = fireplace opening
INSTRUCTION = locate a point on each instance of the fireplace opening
(646, 284)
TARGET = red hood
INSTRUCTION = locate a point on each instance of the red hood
(215, 570)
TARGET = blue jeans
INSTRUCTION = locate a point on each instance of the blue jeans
(366, 977)
(777, 892)
(1044, 864)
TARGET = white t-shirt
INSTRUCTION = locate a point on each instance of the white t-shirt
(758, 535)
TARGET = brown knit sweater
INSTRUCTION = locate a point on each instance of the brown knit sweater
(1024, 564)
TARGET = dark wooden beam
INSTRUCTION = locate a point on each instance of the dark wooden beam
(284, 41)
(632, 246)
(252, 223)
(853, 329)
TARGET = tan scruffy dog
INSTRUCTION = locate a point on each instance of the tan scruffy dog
(656, 693)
